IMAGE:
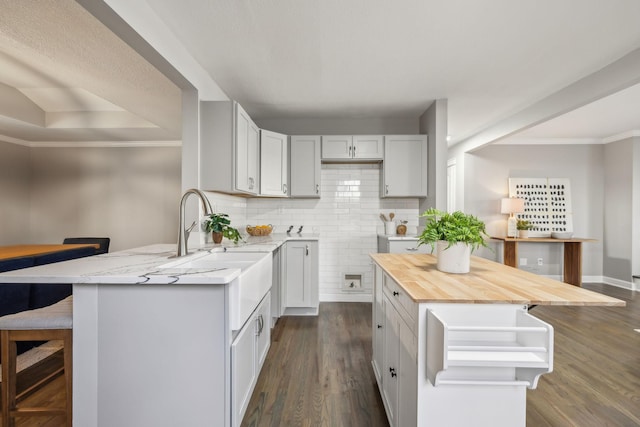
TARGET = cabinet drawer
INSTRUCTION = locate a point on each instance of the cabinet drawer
(408, 247)
(407, 308)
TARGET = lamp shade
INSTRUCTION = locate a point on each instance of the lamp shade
(512, 205)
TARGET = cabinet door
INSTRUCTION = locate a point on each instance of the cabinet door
(305, 166)
(378, 323)
(337, 147)
(368, 147)
(274, 164)
(407, 412)
(391, 356)
(298, 274)
(263, 330)
(247, 150)
(405, 166)
(243, 370)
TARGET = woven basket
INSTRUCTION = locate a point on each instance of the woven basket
(259, 230)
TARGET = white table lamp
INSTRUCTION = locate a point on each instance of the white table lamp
(512, 206)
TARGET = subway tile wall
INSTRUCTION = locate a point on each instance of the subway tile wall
(346, 217)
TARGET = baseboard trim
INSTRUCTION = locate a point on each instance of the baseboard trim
(346, 297)
(621, 283)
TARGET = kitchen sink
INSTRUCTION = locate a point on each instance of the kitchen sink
(216, 260)
(245, 291)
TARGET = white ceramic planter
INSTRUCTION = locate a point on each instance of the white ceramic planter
(455, 259)
(523, 234)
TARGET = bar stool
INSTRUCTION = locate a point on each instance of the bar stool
(53, 322)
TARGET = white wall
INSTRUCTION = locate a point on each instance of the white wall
(486, 173)
(347, 218)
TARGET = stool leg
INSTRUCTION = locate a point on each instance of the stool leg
(68, 374)
(9, 367)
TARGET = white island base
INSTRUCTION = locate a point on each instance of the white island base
(150, 355)
(461, 350)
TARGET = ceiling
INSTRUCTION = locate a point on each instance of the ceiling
(293, 59)
(66, 79)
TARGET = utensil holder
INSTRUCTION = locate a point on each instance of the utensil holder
(389, 227)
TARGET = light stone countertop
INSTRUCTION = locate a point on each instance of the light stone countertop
(139, 266)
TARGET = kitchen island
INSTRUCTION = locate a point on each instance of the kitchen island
(462, 349)
(165, 341)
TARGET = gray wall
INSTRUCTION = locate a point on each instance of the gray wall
(14, 193)
(129, 194)
(619, 161)
(433, 122)
(486, 174)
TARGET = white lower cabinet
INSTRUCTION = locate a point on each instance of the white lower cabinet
(455, 365)
(248, 352)
(399, 366)
(300, 277)
(378, 326)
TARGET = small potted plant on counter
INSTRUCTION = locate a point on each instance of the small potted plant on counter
(454, 236)
(523, 227)
(220, 226)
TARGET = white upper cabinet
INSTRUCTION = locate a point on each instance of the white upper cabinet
(305, 166)
(368, 147)
(230, 148)
(404, 167)
(352, 147)
(274, 164)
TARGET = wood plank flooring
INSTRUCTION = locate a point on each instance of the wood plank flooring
(596, 377)
(318, 370)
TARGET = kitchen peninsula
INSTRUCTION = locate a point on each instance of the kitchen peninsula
(166, 341)
(461, 349)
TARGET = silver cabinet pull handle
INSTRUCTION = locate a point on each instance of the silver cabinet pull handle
(307, 250)
(386, 188)
(354, 151)
(350, 150)
(284, 188)
(411, 249)
(317, 188)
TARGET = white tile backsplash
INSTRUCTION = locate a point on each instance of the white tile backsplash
(347, 218)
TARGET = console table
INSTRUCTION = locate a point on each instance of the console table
(572, 254)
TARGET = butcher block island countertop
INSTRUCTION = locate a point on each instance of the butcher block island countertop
(488, 282)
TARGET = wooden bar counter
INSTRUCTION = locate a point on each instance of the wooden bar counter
(17, 251)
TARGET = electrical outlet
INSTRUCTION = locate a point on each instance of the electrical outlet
(523, 262)
(540, 261)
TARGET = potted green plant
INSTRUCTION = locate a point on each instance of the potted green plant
(454, 236)
(523, 227)
(220, 226)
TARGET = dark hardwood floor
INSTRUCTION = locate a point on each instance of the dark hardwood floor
(596, 377)
(318, 370)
